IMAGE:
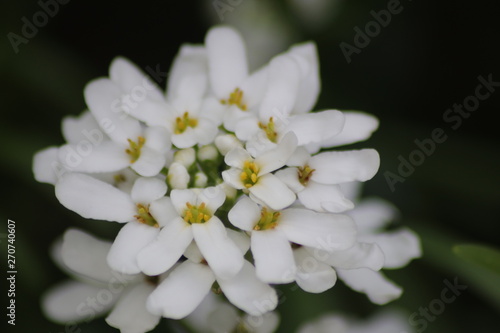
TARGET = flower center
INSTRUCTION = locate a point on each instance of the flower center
(135, 148)
(305, 174)
(241, 328)
(182, 123)
(197, 214)
(268, 220)
(145, 217)
(270, 130)
(249, 174)
(235, 98)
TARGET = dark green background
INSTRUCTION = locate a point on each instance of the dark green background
(427, 59)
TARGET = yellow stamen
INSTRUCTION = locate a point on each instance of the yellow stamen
(235, 98)
(270, 130)
(197, 214)
(249, 174)
(305, 174)
(135, 148)
(182, 123)
(144, 216)
(268, 220)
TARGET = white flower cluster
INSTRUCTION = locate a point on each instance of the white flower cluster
(224, 162)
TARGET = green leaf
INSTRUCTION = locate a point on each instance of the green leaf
(482, 255)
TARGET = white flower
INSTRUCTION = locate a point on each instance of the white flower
(100, 290)
(178, 176)
(190, 215)
(272, 231)
(237, 92)
(255, 175)
(225, 318)
(399, 247)
(192, 280)
(389, 321)
(95, 199)
(316, 179)
(144, 150)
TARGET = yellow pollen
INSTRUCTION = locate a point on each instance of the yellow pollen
(182, 123)
(305, 174)
(235, 98)
(268, 220)
(249, 174)
(197, 214)
(144, 216)
(135, 148)
(270, 130)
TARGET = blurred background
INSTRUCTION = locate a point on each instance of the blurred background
(426, 59)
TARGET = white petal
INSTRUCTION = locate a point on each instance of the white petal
(310, 82)
(273, 256)
(247, 127)
(373, 214)
(163, 211)
(248, 293)
(94, 199)
(178, 177)
(324, 198)
(232, 177)
(226, 60)
(358, 126)
(317, 126)
(147, 190)
(86, 255)
(213, 197)
(278, 157)
(67, 302)
(149, 163)
(236, 157)
(325, 231)
(245, 214)
(224, 318)
(161, 254)
(131, 239)
(185, 139)
(82, 127)
(267, 323)
(283, 84)
(254, 87)
(205, 131)
(211, 108)
(103, 97)
(241, 239)
(226, 142)
(182, 291)
(222, 255)
(299, 158)
(313, 276)
(181, 197)
(108, 156)
(232, 115)
(157, 138)
(399, 247)
(375, 285)
(130, 315)
(188, 77)
(129, 77)
(290, 176)
(360, 255)
(46, 166)
(344, 166)
(273, 192)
